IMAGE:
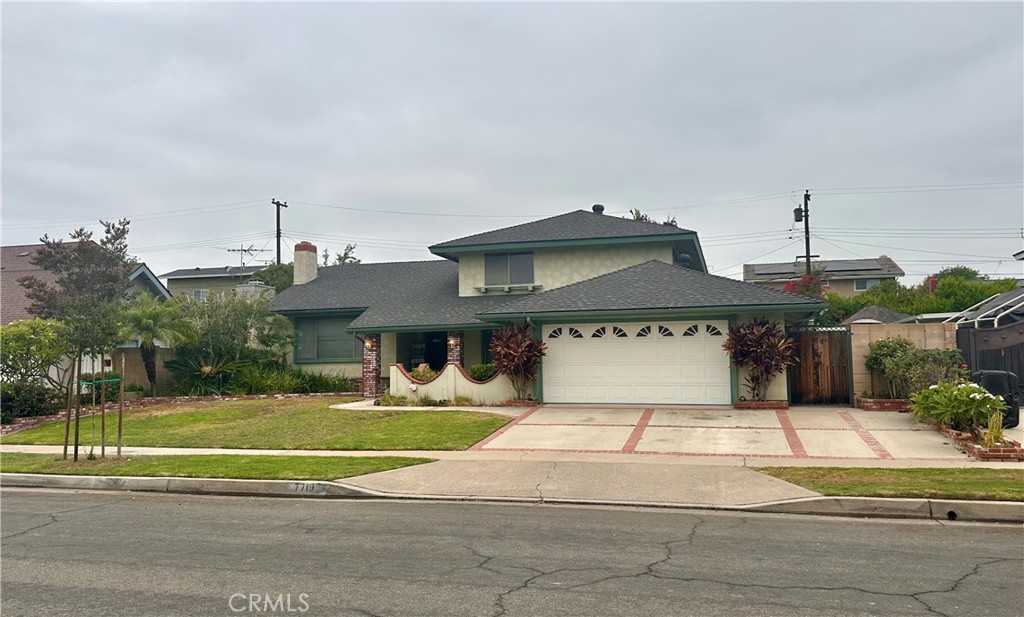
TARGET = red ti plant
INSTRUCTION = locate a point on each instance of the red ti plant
(517, 354)
(762, 347)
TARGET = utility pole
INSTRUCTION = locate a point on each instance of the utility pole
(804, 214)
(279, 204)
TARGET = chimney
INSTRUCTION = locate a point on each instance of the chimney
(598, 209)
(305, 263)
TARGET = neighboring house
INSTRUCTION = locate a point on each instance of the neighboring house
(876, 315)
(199, 283)
(16, 262)
(845, 277)
(626, 308)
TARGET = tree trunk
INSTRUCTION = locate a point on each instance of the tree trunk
(78, 406)
(103, 406)
(148, 353)
(76, 370)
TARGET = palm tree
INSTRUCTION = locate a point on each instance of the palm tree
(150, 320)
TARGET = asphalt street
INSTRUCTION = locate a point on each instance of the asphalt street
(83, 554)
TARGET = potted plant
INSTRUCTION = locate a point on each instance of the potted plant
(762, 348)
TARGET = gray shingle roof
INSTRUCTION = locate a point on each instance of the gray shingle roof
(837, 269)
(876, 313)
(392, 295)
(651, 285)
(576, 225)
(185, 273)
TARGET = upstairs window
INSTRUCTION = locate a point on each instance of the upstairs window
(200, 294)
(508, 269)
(865, 284)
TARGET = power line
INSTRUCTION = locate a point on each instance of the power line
(903, 248)
(720, 271)
(148, 216)
(410, 213)
(919, 186)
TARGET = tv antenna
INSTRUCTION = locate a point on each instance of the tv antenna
(243, 251)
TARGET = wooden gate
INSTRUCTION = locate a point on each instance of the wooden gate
(823, 374)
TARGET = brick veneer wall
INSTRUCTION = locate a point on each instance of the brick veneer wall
(371, 366)
(455, 339)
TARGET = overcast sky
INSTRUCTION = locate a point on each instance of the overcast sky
(492, 115)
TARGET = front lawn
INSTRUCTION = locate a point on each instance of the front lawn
(281, 424)
(980, 483)
(210, 466)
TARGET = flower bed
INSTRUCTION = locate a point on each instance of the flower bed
(1008, 450)
(883, 404)
(761, 405)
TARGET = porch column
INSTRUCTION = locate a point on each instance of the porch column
(455, 346)
(371, 366)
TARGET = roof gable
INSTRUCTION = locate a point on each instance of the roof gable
(575, 226)
(653, 285)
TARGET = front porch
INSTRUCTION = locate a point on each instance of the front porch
(411, 349)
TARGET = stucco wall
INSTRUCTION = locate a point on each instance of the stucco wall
(451, 383)
(922, 335)
(216, 285)
(344, 369)
(557, 267)
(779, 389)
(840, 288)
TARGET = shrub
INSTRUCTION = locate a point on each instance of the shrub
(962, 405)
(907, 369)
(262, 379)
(762, 347)
(423, 374)
(482, 372)
(194, 376)
(428, 401)
(517, 354)
(134, 387)
(319, 381)
(994, 434)
(462, 400)
(23, 399)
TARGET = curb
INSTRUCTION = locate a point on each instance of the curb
(854, 507)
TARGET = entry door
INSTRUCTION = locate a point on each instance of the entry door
(651, 362)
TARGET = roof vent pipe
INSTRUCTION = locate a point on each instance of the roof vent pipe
(598, 209)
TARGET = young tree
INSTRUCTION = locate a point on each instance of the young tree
(762, 347)
(89, 292)
(517, 354)
(150, 320)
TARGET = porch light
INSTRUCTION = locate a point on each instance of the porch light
(367, 343)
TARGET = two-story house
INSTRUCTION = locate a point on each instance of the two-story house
(200, 283)
(845, 277)
(627, 310)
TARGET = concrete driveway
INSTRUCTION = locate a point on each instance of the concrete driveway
(799, 433)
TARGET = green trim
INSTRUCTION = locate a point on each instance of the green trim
(734, 371)
(639, 314)
(348, 312)
(700, 253)
(538, 383)
(426, 328)
(329, 361)
(444, 251)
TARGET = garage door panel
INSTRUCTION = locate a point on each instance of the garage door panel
(662, 367)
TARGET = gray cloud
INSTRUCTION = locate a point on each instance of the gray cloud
(513, 111)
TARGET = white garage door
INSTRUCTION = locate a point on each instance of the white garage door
(651, 362)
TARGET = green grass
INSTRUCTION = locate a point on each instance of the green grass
(293, 424)
(981, 484)
(210, 466)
